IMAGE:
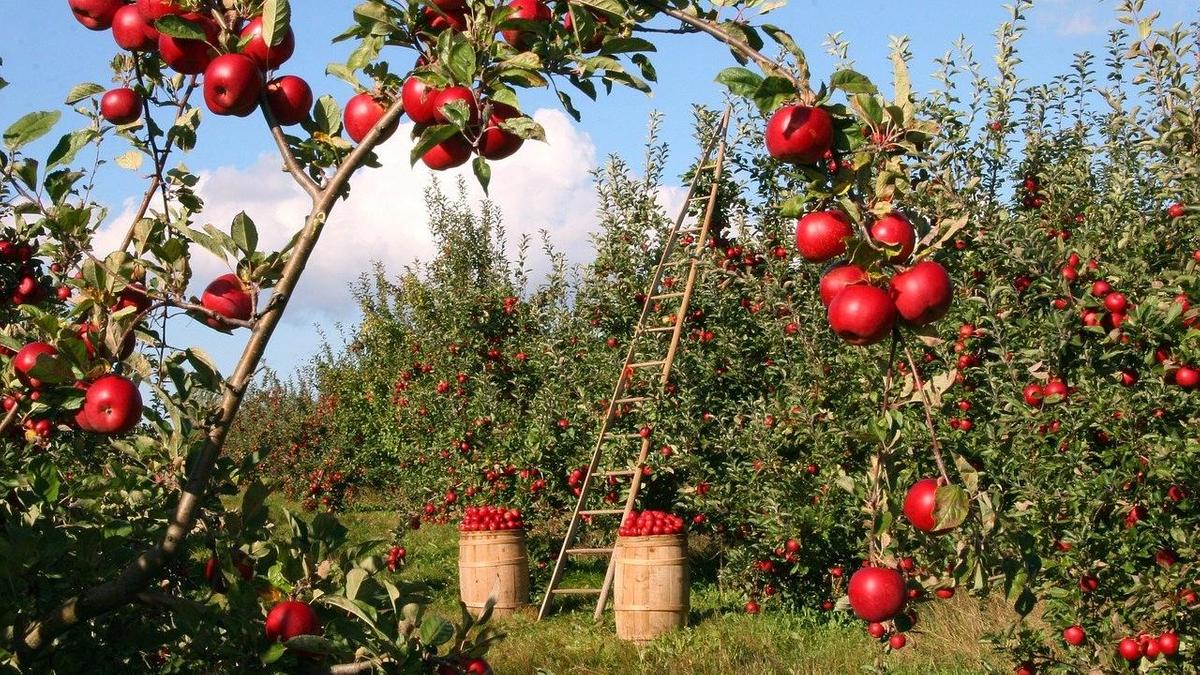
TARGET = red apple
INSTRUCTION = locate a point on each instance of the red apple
(190, 57)
(267, 58)
(290, 99)
(752, 607)
(452, 152)
(894, 230)
(1074, 636)
(920, 504)
(121, 106)
(862, 314)
(363, 112)
(525, 10)
(1129, 649)
(232, 85)
(922, 293)
(877, 594)
(95, 14)
(153, 10)
(496, 142)
(455, 20)
(837, 278)
(799, 134)
(112, 405)
(1176, 210)
(289, 619)
(1168, 644)
(418, 100)
(822, 235)
(597, 40)
(28, 356)
(228, 297)
(452, 94)
(1187, 377)
(132, 32)
(897, 641)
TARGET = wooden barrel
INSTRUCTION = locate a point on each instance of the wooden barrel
(651, 592)
(493, 563)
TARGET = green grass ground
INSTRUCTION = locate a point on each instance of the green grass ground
(720, 638)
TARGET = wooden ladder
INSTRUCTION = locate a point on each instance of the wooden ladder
(690, 239)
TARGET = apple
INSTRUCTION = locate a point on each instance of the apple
(1129, 649)
(837, 278)
(112, 405)
(267, 58)
(190, 57)
(892, 230)
(944, 593)
(897, 641)
(477, 667)
(877, 594)
(439, 21)
(920, 504)
(290, 98)
(862, 314)
(798, 134)
(212, 570)
(1116, 302)
(228, 297)
(495, 142)
(132, 32)
(922, 293)
(1074, 635)
(27, 357)
(418, 98)
(876, 630)
(95, 14)
(153, 10)
(290, 618)
(752, 607)
(525, 10)
(1168, 644)
(363, 112)
(1055, 390)
(1176, 210)
(1187, 377)
(597, 40)
(450, 95)
(121, 106)
(232, 85)
(822, 235)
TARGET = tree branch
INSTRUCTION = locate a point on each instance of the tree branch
(141, 571)
(157, 181)
(9, 418)
(285, 151)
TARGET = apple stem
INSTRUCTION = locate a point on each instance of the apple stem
(928, 405)
(9, 419)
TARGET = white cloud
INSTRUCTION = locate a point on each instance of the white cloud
(1068, 18)
(544, 186)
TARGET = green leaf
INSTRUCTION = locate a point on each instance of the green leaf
(273, 653)
(179, 27)
(483, 172)
(431, 137)
(30, 128)
(69, 146)
(245, 235)
(354, 580)
(740, 81)
(462, 61)
(328, 115)
(436, 631)
(82, 91)
(852, 82)
(951, 508)
(311, 644)
(344, 74)
(276, 19)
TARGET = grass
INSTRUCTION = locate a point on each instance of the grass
(720, 638)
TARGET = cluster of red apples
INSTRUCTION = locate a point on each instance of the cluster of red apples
(491, 519)
(650, 524)
(859, 310)
(234, 80)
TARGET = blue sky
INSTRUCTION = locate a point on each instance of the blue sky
(45, 52)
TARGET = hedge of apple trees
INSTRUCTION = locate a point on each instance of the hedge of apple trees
(1038, 441)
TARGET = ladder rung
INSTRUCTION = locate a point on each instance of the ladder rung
(632, 435)
(688, 230)
(576, 591)
(602, 512)
(632, 399)
(621, 472)
(659, 329)
(699, 197)
(589, 551)
(706, 167)
(667, 296)
(647, 364)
